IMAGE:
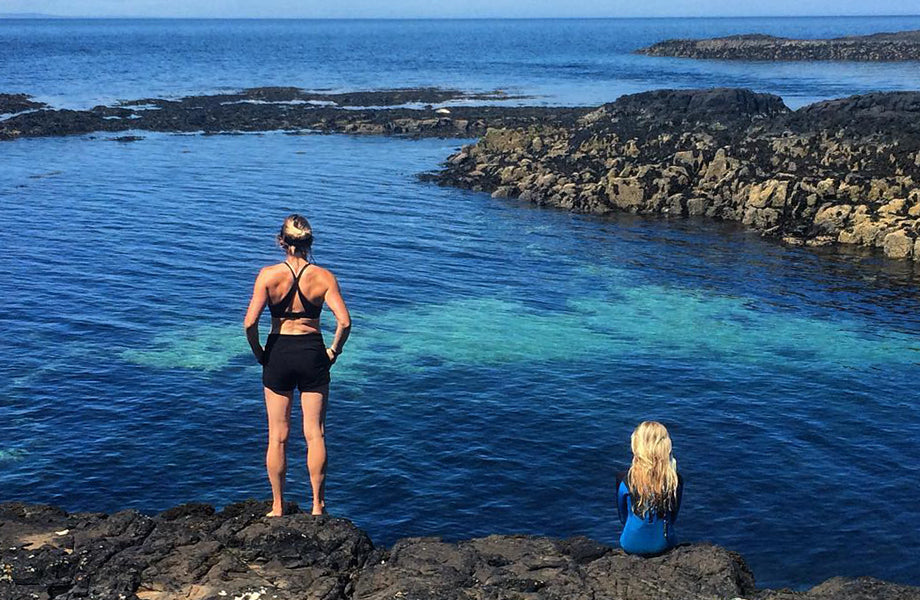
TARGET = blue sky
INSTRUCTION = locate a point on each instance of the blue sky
(457, 8)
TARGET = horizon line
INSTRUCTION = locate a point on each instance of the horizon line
(40, 16)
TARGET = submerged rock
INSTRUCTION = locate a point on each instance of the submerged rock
(194, 551)
(879, 47)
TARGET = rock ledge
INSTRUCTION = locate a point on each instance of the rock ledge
(195, 552)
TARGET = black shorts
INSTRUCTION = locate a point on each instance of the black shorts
(295, 361)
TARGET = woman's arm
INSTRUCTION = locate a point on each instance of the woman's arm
(336, 304)
(251, 322)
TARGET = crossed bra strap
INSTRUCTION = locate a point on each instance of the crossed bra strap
(282, 310)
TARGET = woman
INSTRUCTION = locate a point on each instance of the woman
(649, 494)
(295, 355)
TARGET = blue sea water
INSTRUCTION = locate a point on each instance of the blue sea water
(80, 63)
(501, 354)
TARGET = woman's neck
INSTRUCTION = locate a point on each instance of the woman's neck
(296, 258)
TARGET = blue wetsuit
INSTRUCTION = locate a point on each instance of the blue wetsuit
(650, 534)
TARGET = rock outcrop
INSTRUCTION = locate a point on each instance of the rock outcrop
(841, 171)
(406, 112)
(194, 552)
(17, 103)
(879, 47)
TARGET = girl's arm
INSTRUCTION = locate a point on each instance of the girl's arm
(622, 498)
(679, 495)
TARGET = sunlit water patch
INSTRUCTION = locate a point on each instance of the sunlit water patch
(202, 347)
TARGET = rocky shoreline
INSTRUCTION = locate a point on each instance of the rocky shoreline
(407, 112)
(880, 47)
(841, 171)
(194, 552)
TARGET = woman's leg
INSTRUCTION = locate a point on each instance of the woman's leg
(278, 407)
(314, 430)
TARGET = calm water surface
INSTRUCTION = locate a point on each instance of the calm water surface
(501, 354)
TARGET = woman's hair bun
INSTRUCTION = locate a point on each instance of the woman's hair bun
(296, 233)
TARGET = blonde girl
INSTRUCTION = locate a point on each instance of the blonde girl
(649, 494)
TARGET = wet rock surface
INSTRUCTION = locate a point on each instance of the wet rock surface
(879, 47)
(193, 551)
(16, 103)
(409, 112)
(842, 171)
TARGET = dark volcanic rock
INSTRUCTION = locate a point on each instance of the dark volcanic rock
(194, 552)
(899, 46)
(533, 567)
(725, 104)
(189, 551)
(292, 109)
(861, 588)
(841, 171)
(14, 103)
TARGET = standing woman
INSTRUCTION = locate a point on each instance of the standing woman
(295, 355)
(649, 494)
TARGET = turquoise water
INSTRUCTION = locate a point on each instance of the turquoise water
(501, 353)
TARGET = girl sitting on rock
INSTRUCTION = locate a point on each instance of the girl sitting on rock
(649, 494)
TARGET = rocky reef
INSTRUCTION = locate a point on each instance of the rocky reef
(840, 171)
(194, 552)
(409, 112)
(879, 47)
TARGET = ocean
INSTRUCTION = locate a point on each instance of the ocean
(501, 354)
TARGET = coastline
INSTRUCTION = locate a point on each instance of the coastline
(838, 172)
(193, 551)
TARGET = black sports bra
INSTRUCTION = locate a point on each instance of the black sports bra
(282, 309)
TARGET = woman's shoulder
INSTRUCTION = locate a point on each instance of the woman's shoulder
(272, 270)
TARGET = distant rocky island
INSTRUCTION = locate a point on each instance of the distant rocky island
(194, 552)
(879, 47)
(843, 171)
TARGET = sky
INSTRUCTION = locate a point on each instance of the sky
(455, 8)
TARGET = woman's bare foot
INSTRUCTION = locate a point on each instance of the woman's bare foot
(319, 509)
(273, 514)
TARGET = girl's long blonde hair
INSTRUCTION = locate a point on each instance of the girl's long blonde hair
(652, 478)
